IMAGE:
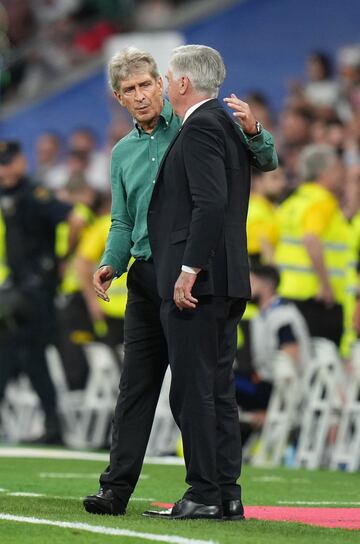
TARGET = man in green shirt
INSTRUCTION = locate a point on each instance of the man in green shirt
(135, 161)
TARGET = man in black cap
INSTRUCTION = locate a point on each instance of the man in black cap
(30, 216)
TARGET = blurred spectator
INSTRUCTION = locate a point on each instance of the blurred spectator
(83, 140)
(17, 28)
(50, 11)
(83, 160)
(153, 14)
(107, 317)
(30, 216)
(295, 132)
(314, 250)
(349, 72)
(267, 188)
(321, 90)
(74, 326)
(261, 110)
(48, 159)
(278, 336)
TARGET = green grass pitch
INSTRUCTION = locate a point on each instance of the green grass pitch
(62, 484)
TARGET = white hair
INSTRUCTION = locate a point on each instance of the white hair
(203, 65)
(128, 62)
(315, 159)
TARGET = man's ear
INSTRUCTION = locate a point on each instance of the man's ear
(160, 84)
(119, 97)
(184, 84)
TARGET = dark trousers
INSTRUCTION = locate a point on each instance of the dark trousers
(23, 350)
(202, 347)
(145, 363)
(323, 321)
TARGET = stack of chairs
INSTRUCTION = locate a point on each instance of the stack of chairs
(346, 453)
(21, 415)
(87, 413)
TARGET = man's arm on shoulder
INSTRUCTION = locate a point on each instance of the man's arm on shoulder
(261, 146)
(118, 244)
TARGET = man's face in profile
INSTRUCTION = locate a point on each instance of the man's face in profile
(142, 95)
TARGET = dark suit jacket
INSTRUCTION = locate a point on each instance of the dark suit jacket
(197, 214)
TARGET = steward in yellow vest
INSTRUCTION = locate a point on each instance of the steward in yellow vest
(3, 268)
(262, 222)
(315, 251)
(107, 317)
(262, 237)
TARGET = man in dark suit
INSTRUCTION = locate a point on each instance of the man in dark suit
(197, 231)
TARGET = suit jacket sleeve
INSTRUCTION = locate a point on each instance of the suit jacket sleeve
(204, 159)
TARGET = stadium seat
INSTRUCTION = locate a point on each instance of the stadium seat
(346, 454)
(21, 415)
(87, 414)
(318, 405)
(280, 414)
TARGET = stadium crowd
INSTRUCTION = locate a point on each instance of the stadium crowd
(303, 231)
(42, 39)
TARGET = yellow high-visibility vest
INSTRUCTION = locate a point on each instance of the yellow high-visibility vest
(298, 279)
(262, 223)
(91, 247)
(4, 271)
(70, 282)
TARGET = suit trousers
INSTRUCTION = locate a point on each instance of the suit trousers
(202, 348)
(145, 363)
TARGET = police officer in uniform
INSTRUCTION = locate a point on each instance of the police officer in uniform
(30, 216)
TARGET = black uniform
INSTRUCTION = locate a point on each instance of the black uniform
(30, 215)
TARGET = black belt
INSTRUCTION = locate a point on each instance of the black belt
(149, 260)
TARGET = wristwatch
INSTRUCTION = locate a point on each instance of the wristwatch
(258, 127)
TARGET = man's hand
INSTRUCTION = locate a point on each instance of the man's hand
(243, 113)
(102, 280)
(182, 291)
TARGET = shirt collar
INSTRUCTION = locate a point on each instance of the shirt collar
(165, 117)
(193, 108)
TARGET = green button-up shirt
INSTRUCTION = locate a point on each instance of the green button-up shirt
(135, 162)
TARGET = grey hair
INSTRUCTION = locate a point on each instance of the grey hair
(314, 159)
(203, 65)
(130, 61)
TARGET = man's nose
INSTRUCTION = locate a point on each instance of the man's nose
(139, 95)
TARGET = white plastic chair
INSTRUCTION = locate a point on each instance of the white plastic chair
(346, 454)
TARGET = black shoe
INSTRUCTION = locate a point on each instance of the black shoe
(233, 511)
(185, 509)
(104, 502)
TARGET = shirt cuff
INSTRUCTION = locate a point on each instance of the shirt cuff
(190, 269)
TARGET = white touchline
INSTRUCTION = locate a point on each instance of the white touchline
(279, 479)
(98, 529)
(44, 453)
(25, 494)
(78, 475)
(314, 503)
(66, 497)
(70, 475)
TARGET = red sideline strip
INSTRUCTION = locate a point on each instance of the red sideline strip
(341, 518)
